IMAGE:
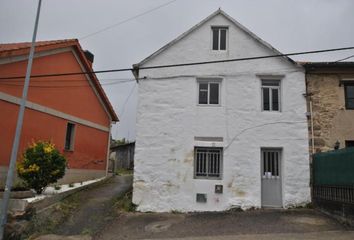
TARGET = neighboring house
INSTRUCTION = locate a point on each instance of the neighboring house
(216, 136)
(71, 111)
(122, 156)
(330, 91)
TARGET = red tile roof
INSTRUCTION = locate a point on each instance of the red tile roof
(17, 46)
(16, 49)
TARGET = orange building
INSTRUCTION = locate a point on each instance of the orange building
(72, 111)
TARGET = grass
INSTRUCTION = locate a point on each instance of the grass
(124, 203)
(86, 231)
(123, 172)
(47, 224)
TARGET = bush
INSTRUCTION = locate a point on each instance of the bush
(41, 165)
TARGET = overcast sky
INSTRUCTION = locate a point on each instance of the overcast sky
(288, 25)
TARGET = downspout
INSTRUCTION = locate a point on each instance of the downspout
(108, 148)
(312, 133)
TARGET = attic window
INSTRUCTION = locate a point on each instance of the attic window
(219, 38)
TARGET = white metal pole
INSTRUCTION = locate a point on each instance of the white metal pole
(10, 173)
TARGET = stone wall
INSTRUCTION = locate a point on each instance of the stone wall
(331, 121)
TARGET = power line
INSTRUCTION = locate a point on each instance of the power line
(261, 125)
(63, 86)
(185, 64)
(126, 101)
(67, 82)
(126, 20)
(344, 58)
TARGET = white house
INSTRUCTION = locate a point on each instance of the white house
(211, 137)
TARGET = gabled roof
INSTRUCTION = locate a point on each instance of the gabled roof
(17, 49)
(218, 12)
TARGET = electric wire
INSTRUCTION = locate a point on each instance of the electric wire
(126, 101)
(126, 20)
(346, 58)
(183, 64)
(260, 125)
(63, 84)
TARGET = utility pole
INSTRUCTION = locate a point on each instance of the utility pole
(10, 173)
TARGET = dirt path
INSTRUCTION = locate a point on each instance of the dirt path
(95, 209)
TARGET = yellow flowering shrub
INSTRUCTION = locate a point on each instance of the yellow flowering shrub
(41, 165)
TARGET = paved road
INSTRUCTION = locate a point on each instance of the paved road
(98, 219)
(96, 205)
(258, 224)
(332, 235)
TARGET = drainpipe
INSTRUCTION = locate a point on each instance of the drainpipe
(312, 134)
(108, 148)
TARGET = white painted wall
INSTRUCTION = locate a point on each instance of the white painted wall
(169, 118)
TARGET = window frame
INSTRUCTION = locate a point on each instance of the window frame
(219, 28)
(72, 137)
(207, 177)
(348, 143)
(271, 95)
(209, 81)
(279, 165)
(346, 84)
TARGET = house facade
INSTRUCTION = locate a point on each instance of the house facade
(71, 111)
(211, 137)
(330, 94)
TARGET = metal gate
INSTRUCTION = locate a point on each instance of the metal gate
(271, 178)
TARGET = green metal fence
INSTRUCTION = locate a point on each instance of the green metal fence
(333, 183)
(334, 168)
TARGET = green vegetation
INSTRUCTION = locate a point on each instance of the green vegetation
(123, 171)
(41, 165)
(118, 142)
(124, 202)
(59, 213)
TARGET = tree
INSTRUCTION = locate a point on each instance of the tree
(42, 164)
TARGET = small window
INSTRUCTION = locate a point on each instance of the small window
(349, 95)
(69, 138)
(209, 92)
(219, 38)
(207, 162)
(270, 95)
(349, 143)
(270, 163)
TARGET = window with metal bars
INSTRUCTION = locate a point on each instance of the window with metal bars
(271, 163)
(270, 95)
(208, 162)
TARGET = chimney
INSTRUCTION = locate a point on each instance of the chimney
(89, 56)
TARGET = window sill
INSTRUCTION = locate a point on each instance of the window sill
(219, 51)
(272, 112)
(206, 178)
(209, 105)
(69, 150)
